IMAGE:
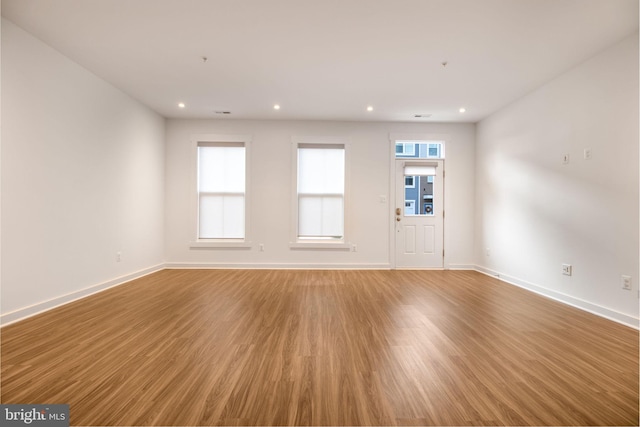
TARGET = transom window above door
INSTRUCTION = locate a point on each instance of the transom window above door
(420, 149)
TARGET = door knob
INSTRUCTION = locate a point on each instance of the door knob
(398, 211)
(398, 218)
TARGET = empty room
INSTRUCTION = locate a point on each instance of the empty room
(305, 212)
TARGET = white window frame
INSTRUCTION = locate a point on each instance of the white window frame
(196, 242)
(324, 244)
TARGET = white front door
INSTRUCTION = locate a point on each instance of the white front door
(419, 222)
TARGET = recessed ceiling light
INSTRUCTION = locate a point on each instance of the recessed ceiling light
(276, 107)
(181, 105)
(369, 108)
(462, 110)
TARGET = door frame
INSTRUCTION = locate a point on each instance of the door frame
(393, 137)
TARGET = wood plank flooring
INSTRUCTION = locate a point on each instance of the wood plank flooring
(232, 347)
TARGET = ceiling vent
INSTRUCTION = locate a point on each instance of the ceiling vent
(422, 116)
(223, 112)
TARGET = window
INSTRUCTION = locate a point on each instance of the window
(419, 200)
(405, 149)
(221, 190)
(420, 149)
(434, 151)
(409, 182)
(320, 191)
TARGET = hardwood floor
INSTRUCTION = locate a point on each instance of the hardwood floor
(218, 347)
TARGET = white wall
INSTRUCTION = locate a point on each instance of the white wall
(271, 174)
(534, 213)
(82, 178)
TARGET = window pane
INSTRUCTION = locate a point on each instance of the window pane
(320, 170)
(221, 169)
(405, 149)
(310, 216)
(221, 217)
(320, 216)
(221, 191)
(321, 192)
(419, 199)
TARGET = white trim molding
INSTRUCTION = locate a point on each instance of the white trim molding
(273, 266)
(219, 140)
(331, 246)
(317, 141)
(422, 137)
(587, 306)
(459, 267)
(220, 244)
(32, 310)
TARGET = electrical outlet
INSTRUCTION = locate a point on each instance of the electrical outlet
(118, 256)
(488, 252)
(261, 247)
(567, 270)
(626, 282)
(354, 248)
(587, 153)
(565, 159)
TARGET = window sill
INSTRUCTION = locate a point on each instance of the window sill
(339, 246)
(220, 244)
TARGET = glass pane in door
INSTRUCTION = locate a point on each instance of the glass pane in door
(418, 195)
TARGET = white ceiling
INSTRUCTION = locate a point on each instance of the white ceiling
(327, 59)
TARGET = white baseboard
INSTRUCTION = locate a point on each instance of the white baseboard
(23, 313)
(460, 267)
(274, 266)
(590, 307)
(297, 266)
